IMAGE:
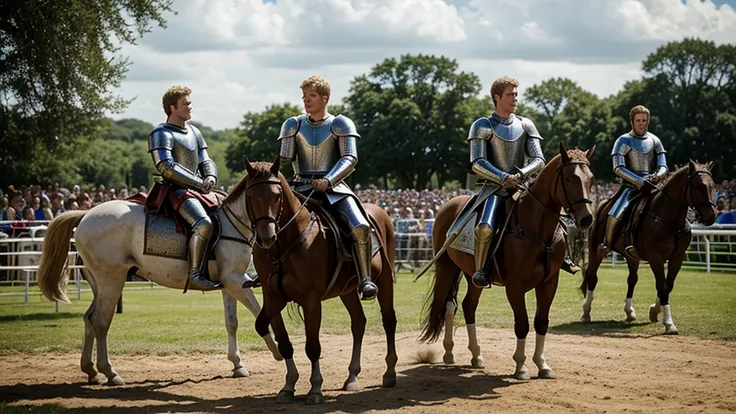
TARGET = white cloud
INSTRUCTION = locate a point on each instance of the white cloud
(241, 55)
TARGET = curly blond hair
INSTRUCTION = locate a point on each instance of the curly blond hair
(317, 83)
(172, 95)
(500, 85)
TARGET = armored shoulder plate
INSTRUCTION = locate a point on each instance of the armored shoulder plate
(343, 126)
(658, 147)
(481, 129)
(160, 138)
(200, 139)
(289, 128)
(621, 146)
(530, 128)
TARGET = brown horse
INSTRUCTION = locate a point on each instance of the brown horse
(663, 235)
(297, 258)
(529, 257)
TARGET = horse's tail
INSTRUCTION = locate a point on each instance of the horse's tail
(443, 289)
(55, 253)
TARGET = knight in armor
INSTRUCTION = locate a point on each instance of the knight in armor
(323, 150)
(640, 160)
(180, 154)
(499, 146)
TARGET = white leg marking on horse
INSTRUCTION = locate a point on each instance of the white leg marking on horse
(669, 326)
(448, 342)
(476, 360)
(522, 373)
(630, 311)
(544, 370)
(587, 304)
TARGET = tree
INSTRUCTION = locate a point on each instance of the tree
(257, 137)
(412, 114)
(58, 65)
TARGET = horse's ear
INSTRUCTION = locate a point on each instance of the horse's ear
(563, 152)
(248, 166)
(589, 152)
(691, 167)
(709, 166)
(276, 166)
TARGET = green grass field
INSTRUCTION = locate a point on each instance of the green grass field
(162, 321)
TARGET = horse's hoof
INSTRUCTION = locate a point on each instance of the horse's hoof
(315, 398)
(585, 318)
(631, 317)
(285, 397)
(653, 313)
(96, 379)
(671, 330)
(389, 380)
(546, 374)
(448, 359)
(522, 375)
(116, 380)
(477, 362)
(353, 385)
(241, 372)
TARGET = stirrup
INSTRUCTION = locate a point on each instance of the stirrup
(480, 279)
(368, 290)
(196, 278)
(632, 253)
(251, 282)
(569, 266)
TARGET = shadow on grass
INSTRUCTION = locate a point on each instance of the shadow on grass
(418, 386)
(600, 328)
(51, 316)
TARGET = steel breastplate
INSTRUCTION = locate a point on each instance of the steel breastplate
(641, 157)
(186, 149)
(506, 146)
(317, 149)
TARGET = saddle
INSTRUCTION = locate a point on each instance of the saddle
(340, 232)
(631, 222)
(166, 234)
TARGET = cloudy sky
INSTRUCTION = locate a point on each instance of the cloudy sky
(242, 55)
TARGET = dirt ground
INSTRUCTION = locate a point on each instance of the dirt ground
(595, 374)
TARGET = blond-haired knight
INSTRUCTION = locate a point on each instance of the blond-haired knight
(505, 151)
(640, 160)
(180, 155)
(323, 150)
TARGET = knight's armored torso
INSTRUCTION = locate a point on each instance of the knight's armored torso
(504, 144)
(316, 144)
(639, 153)
(183, 143)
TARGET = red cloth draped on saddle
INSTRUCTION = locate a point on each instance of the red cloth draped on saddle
(162, 200)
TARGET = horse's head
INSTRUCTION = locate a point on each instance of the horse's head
(574, 180)
(698, 190)
(265, 199)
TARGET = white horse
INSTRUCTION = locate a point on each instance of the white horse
(110, 240)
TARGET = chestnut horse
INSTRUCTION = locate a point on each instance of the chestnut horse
(663, 235)
(529, 257)
(297, 256)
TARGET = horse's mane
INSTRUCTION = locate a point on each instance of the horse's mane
(260, 170)
(670, 175)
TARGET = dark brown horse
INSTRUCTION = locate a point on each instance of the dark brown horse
(529, 257)
(663, 235)
(296, 257)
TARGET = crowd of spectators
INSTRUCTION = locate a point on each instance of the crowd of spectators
(411, 210)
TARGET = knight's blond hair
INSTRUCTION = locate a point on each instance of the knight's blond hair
(172, 96)
(639, 109)
(317, 83)
(500, 85)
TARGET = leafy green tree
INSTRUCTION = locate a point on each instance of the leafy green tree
(412, 114)
(58, 69)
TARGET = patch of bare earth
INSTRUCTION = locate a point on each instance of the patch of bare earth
(595, 374)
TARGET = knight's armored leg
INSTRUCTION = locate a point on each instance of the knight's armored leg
(193, 212)
(484, 232)
(567, 264)
(361, 233)
(614, 219)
